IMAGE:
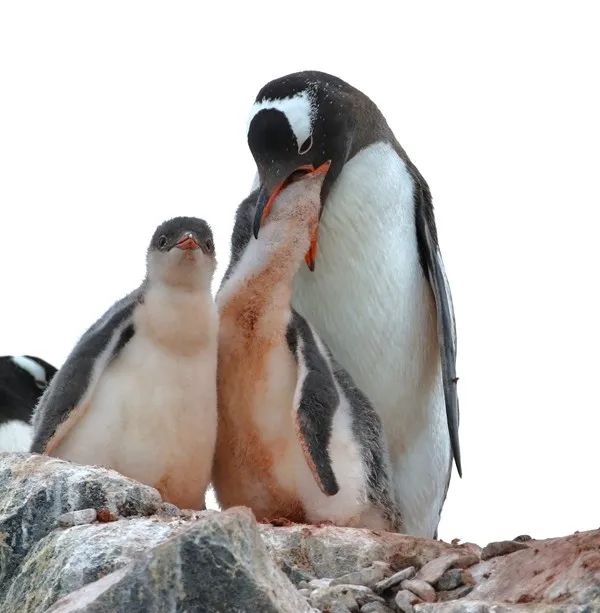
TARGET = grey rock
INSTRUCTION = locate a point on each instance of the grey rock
(451, 579)
(216, 564)
(420, 588)
(459, 592)
(522, 538)
(501, 548)
(432, 571)
(395, 579)
(331, 551)
(338, 607)
(295, 575)
(306, 592)
(352, 596)
(66, 560)
(169, 509)
(36, 490)
(375, 607)
(369, 576)
(76, 518)
(315, 584)
(404, 601)
(478, 606)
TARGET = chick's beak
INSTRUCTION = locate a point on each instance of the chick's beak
(187, 242)
(266, 199)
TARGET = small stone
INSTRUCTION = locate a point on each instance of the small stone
(305, 592)
(395, 579)
(77, 518)
(404, 600)
(105, 515)
(432, 571)
(450, 580)
(325, 597)
(369, 576)
(318, 583)
(338, 607)
(375, 607)
(420, 588)
(459, 592)
(169, 509)
(522, 538)
(501, 548)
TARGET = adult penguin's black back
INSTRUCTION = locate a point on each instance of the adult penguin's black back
(378, 294)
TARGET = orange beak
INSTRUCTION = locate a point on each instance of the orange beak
(187, 242)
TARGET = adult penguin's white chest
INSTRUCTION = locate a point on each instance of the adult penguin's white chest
(371, 303)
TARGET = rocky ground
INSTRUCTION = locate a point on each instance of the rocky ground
(75, 538)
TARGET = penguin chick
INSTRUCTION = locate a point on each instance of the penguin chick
(296, 439)
(138, 392)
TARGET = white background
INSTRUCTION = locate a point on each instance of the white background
(117, 115)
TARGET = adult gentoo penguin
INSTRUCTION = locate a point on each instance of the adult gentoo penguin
(296, 439)
(378, 295)
(138, 392)
(23, 379)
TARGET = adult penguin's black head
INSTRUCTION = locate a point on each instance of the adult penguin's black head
(299, 123)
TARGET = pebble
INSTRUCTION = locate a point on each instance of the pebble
(375, 607)
(522, 538)
(501, 548)
(169, 509)
(459, 592)
(433, 570)
(77, 518)
(352, 596)
(450, 580)
(369, 576)
(317, 583)
(404, 600)
(419, 587)
(395, 579)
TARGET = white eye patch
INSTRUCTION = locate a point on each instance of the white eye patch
(33, 368)
(298, 110)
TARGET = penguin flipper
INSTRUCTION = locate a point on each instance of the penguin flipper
(446, 327)
(66, 398)
(315, 401)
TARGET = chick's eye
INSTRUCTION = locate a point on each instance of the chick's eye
(306, 146)
(162, 242)
(210, 246)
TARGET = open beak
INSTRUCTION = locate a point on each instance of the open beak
(187, 242)
(265, 204)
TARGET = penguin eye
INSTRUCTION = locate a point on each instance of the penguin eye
(209, 245)
(306, 146)
(162, 242)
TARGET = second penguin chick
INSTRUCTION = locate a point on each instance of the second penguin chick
(296, 439)
(138, 392)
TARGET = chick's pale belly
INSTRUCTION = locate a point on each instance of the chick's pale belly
(152, 417)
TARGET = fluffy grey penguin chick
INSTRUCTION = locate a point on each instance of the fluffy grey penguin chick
(296, 438)
(138, 391)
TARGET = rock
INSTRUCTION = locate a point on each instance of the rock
(432, 571)
(331, 551)
(395, 579)
(451, 579)
(66, 560)
(522, 538)
(368, 576)
(306, 592)
(169, 509)
(501, 548)
(404, 601)
(375, 607)
(36, 490)
(352, 596)
(420, 588)
(76, 518)
(459, 592)
(216, 564)
(315, 584)
(338, 607)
